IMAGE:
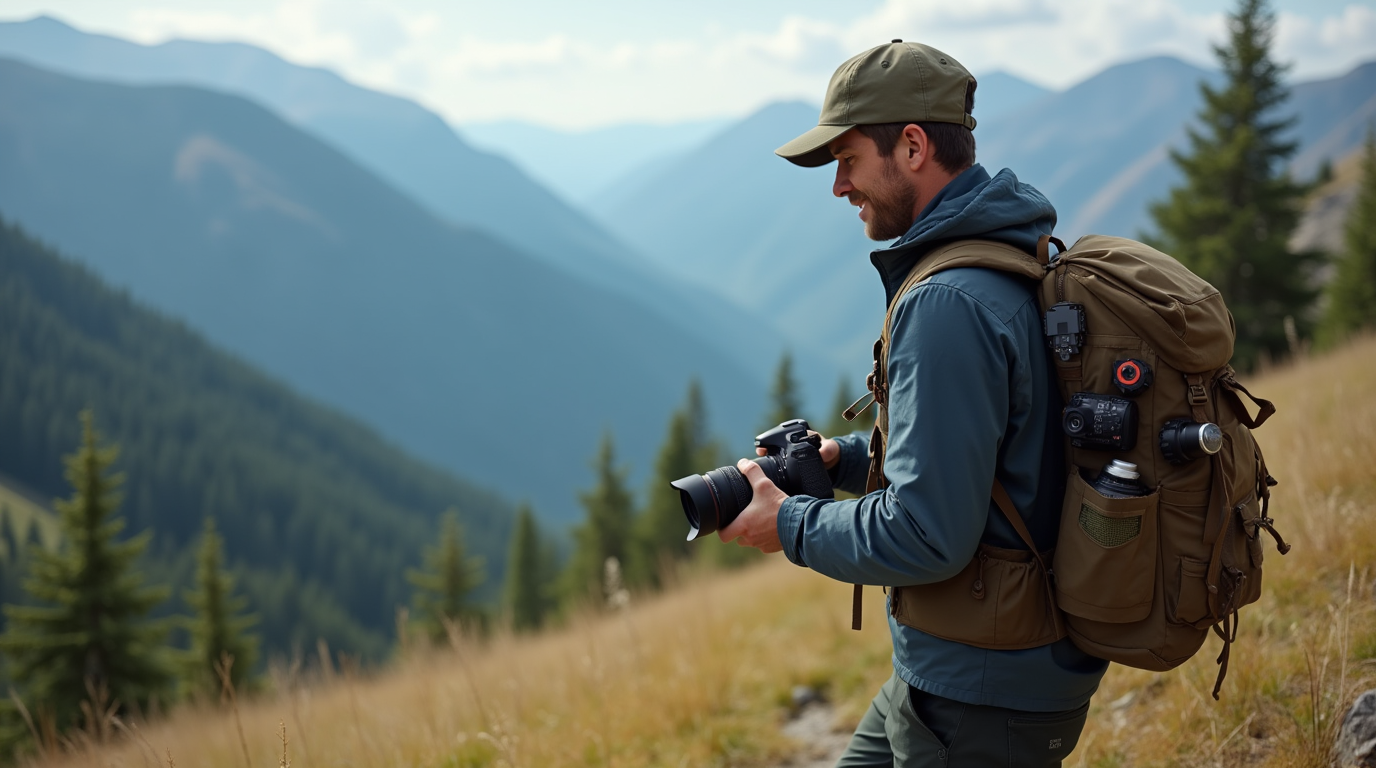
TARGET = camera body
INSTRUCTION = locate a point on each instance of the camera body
(792, 461)
(1100, 422)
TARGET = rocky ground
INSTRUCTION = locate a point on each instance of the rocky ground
(813, 726)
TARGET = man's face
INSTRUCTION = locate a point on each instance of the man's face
(874, 183)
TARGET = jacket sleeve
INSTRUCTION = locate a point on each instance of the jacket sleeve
(853, 468)
(949, 380)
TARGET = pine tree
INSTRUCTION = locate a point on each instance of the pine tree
(444, 582)
(606, 531)
(529, 574)
(1352, 294)
(218, 625)
(836, 424)
(784, 400)
(661, 530)
(21, 551)
(10, 566)
(1231, 219)
(89, 626)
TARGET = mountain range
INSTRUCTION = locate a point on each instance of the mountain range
(451, 342)
(414, 150)
(580, 165)
(672, 268)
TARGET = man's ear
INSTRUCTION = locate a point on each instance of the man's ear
(917, 147)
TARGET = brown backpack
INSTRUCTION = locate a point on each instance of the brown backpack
(1139, 580)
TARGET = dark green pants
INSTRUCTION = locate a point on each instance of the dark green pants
(909, 728)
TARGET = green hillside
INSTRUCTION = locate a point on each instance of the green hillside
(320, 516)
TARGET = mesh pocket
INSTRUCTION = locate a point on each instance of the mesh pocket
(1108, 531)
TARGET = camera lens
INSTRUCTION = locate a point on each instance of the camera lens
(1210, 439)
(712, 501)
(1183, 441)
(1074, 422)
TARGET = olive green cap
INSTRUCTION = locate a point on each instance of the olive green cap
(887, 84)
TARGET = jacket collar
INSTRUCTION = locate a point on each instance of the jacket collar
(972, 205)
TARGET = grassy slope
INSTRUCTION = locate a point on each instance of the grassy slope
(699, 677)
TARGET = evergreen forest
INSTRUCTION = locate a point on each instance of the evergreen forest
(320, 517)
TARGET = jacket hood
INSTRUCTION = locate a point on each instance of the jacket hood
(972, 205)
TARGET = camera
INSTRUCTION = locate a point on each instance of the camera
(1100, 422)
(793, 461)
(1064, 325)
(1183, 440)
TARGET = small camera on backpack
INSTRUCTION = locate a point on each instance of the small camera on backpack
(1100, 422)
(1064, 325)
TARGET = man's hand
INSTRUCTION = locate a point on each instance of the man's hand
(758, 524)
(831, 452)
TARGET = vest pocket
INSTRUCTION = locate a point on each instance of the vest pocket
(1190, 603)
(999, 601)
(1106, 554)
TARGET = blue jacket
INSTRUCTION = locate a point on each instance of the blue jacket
(971, 392)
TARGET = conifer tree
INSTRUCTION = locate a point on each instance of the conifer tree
(836, 424)
(1352, 294)
(218, 624)
(12, 566)
(661, 530)
(1231, 219)
(528, 574)
(89, 625)
(785, 402)
(443, 583)
(606, 531)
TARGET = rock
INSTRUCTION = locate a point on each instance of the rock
(1356, 747)
(803, 696)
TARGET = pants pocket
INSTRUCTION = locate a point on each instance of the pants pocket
(1042, 742)
(912, 741)
(1106, 554)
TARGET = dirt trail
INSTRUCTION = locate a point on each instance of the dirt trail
(814, 727)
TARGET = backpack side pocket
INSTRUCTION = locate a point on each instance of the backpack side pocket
(1105, 562)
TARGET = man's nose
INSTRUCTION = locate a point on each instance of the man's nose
(842, 186)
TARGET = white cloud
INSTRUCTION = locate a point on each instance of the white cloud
(559, 74)
(1329, 45)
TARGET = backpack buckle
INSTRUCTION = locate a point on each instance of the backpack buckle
(1198, 394)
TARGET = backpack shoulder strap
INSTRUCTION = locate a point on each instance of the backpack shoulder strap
(964, 253)
(961, 253)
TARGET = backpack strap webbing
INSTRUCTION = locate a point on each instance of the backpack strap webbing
(1005, 505)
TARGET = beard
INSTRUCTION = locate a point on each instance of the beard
(890, 204)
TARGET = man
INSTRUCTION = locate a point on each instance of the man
(971, 398)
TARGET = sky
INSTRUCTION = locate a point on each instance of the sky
(603, 62)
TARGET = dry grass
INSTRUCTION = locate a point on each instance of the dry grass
(701, 676)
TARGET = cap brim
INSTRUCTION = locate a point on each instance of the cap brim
(810, 150)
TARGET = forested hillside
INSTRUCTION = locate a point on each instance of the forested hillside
(320, 516)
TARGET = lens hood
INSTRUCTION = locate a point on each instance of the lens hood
(698, 498)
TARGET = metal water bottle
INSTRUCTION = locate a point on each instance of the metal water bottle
(1120, 480)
